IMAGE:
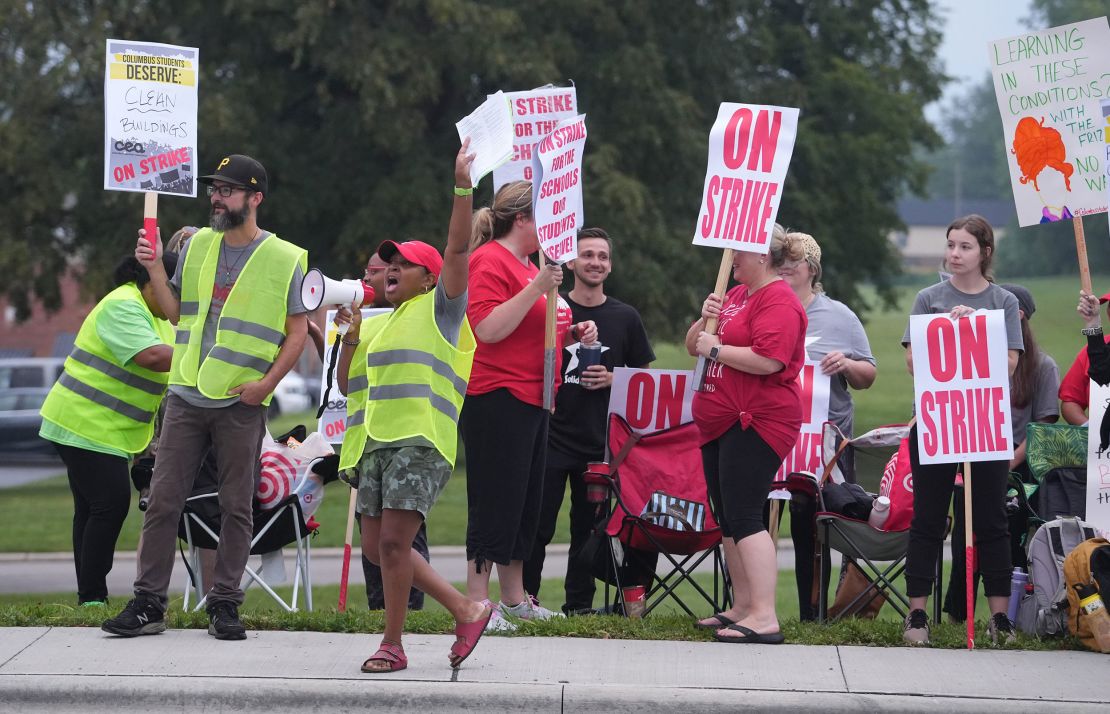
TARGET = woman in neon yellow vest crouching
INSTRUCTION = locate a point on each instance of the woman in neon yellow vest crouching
(101, 412)
(405, 376)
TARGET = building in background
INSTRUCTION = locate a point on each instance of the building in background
(921, 245)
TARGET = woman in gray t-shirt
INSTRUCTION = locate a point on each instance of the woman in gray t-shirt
(968, 256)
(834, 337)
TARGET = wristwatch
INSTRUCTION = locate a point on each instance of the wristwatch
(714, 351)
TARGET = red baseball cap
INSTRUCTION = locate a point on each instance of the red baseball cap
(415, 251)
(1105, 298)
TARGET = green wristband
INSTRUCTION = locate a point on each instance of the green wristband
(464, 191)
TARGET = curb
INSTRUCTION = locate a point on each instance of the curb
(48, 693)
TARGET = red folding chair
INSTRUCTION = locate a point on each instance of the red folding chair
(670, 461)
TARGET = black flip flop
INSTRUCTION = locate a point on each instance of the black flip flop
(722, 621)
(751, 637)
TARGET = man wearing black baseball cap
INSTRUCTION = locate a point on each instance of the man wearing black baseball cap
(235, 298)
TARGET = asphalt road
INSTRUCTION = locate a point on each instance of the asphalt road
(13, 475)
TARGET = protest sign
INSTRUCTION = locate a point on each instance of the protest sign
(150, 117)
(490, 128)
(961, 387)
(535, 114)
(1106, 146)
(806, 454)
(749, 151)
(557, 189)
(1098, 459)
(333, 421)
(1048, 85)
(652, 399)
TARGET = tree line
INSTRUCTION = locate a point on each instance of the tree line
(351, 106)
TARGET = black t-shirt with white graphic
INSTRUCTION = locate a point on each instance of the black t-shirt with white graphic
(578, 425)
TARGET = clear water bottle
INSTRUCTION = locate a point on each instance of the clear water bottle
(880, 511)
(1018, 582)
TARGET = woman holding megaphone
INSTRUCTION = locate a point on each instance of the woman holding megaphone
(405, 375)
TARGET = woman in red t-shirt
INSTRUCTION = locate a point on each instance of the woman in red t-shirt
(504, 424)
(749, 415)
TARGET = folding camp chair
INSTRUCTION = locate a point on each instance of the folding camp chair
(669, 461)
(273, 529)
(1057, 459)
(879, 555)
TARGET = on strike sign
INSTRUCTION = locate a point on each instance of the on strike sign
(749, 151)
(806, 454)
(150, 117)
(652, 399)
(961, 387)
(557, 188)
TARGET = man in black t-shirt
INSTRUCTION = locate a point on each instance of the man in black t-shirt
(577, 430)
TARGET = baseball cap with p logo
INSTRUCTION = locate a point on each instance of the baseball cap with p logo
(239, 170)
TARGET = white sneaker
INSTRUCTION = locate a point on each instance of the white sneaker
(531, 609)
(498, 623)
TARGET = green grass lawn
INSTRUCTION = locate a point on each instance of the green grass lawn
(667, 622)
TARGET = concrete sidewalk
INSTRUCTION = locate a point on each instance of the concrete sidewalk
(82, 669)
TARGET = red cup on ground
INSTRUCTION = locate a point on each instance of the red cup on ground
(597, 483)
(635, 601)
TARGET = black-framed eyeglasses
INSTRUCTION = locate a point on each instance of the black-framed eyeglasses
(225, 190)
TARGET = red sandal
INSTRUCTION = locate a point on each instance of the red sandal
(391, 654)
(468, 634)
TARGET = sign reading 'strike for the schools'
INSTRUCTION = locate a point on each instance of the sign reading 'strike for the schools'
(150, 117)
(961, 387)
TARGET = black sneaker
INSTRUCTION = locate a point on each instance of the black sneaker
(223, 621)
(916, 630)
(142, 616)
(1001, 630)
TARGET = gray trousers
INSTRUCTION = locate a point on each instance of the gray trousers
(235, 433)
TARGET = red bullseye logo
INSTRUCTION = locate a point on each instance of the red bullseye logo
(276, 479)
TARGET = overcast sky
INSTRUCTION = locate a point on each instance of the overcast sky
(969, 25)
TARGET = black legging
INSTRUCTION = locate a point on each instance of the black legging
(101, 487)
(932, 492)
(739, 468)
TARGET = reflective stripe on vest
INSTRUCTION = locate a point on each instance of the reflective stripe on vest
(443, 369)
(251, 326)
(98, 398)
(354, 437)
(417, 379)
(415, 391)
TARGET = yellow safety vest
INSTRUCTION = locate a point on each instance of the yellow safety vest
(407, 381)
(98, 398)
(252, 322)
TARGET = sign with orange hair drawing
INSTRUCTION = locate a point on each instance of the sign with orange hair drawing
(1049, 85)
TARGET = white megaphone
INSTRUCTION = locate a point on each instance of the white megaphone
(318, 289)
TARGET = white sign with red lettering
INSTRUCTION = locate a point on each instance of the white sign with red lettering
(749, 151)
(1098, 459)
(535, 114)
(806, 454)
(557, 189)
(652, 399)
(333, 422)
(961, 387)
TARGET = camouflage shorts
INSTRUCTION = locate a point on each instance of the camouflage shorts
(407, 478)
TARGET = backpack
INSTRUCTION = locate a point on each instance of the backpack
(1088, 564)
(1044, 612)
